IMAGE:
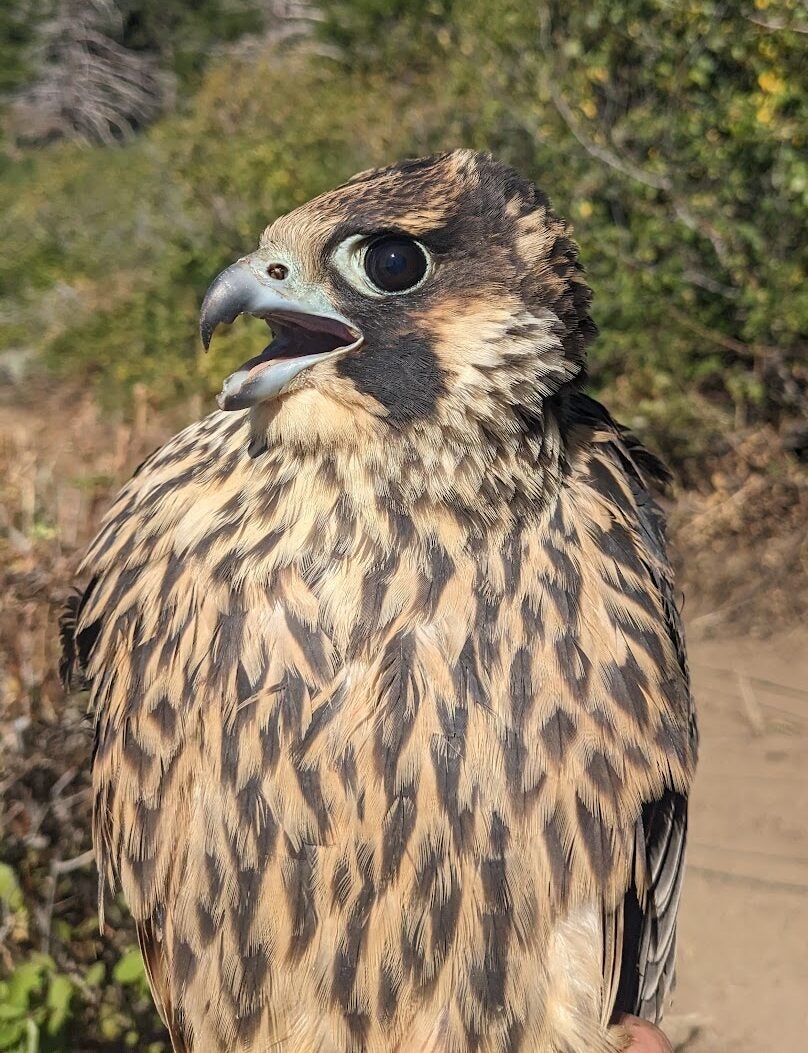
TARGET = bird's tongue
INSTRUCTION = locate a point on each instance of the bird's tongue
(282, 346)
(268, 374)
(239, 388)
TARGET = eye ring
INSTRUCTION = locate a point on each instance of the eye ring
(394, 263)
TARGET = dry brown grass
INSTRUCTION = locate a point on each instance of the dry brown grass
(741, 543)
(61, 460)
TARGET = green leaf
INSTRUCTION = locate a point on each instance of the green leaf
(28, 978)
(60, 992)
(129, 968)
(95, 974)
(9, 1011)
(11, 1034)
(10, 891)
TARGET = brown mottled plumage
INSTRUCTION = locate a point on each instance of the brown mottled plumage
(394, 732)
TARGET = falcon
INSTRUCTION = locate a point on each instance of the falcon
(393, 729)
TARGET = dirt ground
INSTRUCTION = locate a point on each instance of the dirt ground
(743, 950)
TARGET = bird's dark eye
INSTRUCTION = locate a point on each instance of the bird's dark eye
(395, 264)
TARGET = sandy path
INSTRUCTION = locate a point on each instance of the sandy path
(743, 953)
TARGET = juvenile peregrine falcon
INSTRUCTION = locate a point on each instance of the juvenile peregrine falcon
(393, 726)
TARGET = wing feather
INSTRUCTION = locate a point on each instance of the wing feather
(150, 939)
(640, 943)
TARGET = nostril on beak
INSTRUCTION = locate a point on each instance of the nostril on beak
(277, 271)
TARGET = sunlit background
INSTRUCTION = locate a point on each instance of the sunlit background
(146, 143)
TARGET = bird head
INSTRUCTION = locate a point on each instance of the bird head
(436, 291)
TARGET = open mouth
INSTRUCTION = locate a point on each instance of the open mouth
(299, 340)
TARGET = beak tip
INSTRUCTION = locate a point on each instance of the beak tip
(223, 302)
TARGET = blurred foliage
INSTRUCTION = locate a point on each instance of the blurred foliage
(63, 985)
(45, 1010)
(672, 135)
(184, 34)
(17, 32)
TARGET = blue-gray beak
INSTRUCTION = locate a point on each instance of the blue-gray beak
(306, 329)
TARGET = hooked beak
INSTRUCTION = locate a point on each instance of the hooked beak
(306, 330)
